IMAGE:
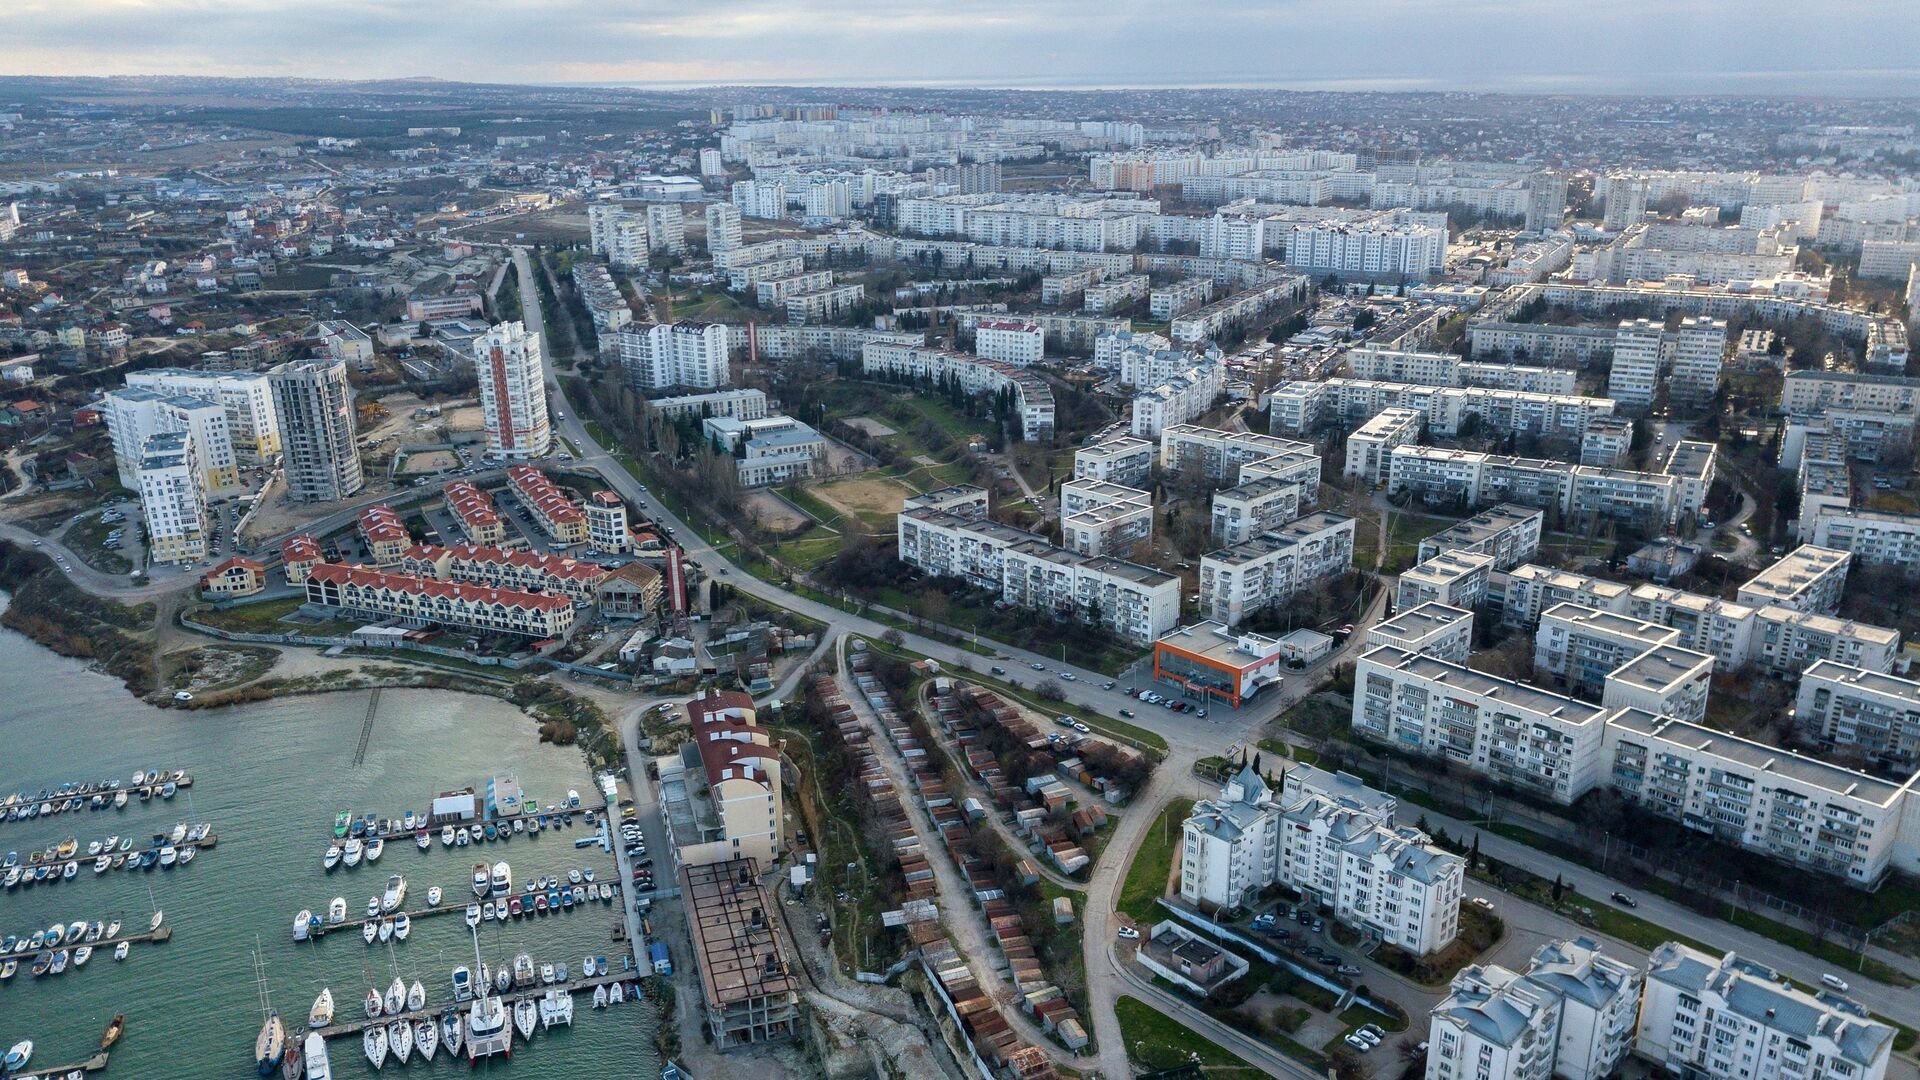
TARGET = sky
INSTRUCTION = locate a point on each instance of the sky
(1845, 47)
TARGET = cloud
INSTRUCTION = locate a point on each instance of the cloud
(1840, 46)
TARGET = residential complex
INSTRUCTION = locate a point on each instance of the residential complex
(318, 431)
(1257, 574)
(513, 392)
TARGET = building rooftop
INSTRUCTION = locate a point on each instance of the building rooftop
(1421, 620)
(731, 919)
(1609, 623)
(1467, 680)
(1484, 525)
(1690, 458)
(1689, 739)
(1662, 667)
(1217, 644)
(1758, 994)
(1873, 681)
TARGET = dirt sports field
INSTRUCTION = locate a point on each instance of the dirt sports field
(774, 512)
(865, 496)
(429, 461)
(869, 426)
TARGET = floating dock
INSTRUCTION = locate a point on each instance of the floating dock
(460, 908)
(93, 1064)
(102, 950)
(72, 798)
(85, 862)
(395, 830)
(434, 1012)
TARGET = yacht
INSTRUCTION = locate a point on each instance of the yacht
(461, 837)
(369, 930)
(374, 847)
(82, 954)
(500, 910)
(446, 836)
(337, 910)
(525, 1014)
(270, 1045)
(556, 1007)
(462, 983)
(546, 974)
(473, 915)
(120, 951)
(487, 1032)
(482, 880)
(402, 926)
(396, 893)
(374, 1039)
(396, 998)
(319, 1066)
(302, 924)
(374, 1005)
(433, 896)
(423, 840)
(332, 858)
(501, 879)
(426, 1036)
(453, 1032)
(352, 852)
(322, 1012)
(523, 974)
(18, 1055)
(385, 932)
(400, 1038)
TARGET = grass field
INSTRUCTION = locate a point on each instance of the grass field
(873, 498)
(1156, 1042)
(1153, 865)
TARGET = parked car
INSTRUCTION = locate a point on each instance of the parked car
(998, 670)
(1481, 902)
(1126, 714)
(1835, 981)
(1347, 969)
(1358, 1044)
(1127, 933)
(1082, 728)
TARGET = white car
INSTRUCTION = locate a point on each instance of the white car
(1127, 933)
(1835, 982)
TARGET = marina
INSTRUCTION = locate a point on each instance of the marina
(71, 721)
(458, 903)
(627, 980)
(103, 947)
(72, 798)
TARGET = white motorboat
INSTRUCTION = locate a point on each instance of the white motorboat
(102, 864)
(473, 915)
(433, 896)
(82, 954)
(322, 1012)
(112, 931)
(523, 973)
(400, 1038)
(396, 893)
(446, 836)
(525, 1015)
(319, 1065)
(386, 929)
(402, 926)
(600, 997)
(426, 1037)
(18, 1055)
(179, 833)
(370, 930)
(374, 1039)
(423, 840)
(373, 907)
(573, 876)
(546, 974)
(461, 837)
(332, 858)
(396, 998)
(337, 910)
(462, 983)
(586, 967)
(486, 911)
(615, 995)
(500, 911)
(374, 847)
(501, 879)
(482, 880)
(416, 996)
(352, 852)
(302, 924)
(121, 950)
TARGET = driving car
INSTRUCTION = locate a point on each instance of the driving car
(1126, 714)
(1038, 667)
(1835, 981)
(1624, 900)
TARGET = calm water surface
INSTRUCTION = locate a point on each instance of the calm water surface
(270, 777)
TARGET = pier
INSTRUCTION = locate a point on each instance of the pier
(459, 907)
(93, 1064)
(395, 831)
(576, 984)
(73, 798)
(104, 945)
(85, 862)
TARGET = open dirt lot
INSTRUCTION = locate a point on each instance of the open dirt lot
(773, 512)
(429, 461)
(863, 494)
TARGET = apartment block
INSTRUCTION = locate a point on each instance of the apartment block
(1790, 807)
(557, 515)
(1859, 707)
(1787, 642)
(1722, 629)
(473, 508)
(1232, 455)
(1875, 538)
(748, 404)
(1032, 397)
(173, 499)
(1247, 577)
(1692, 466)
(1432, 628)
(1454, 578)
(1251, 509)
(1724, 1018)
(1098, 518)
(1121, 459)
(748, 991)
(429, 602)
(1635, 372)
(253, 428)
(1606, 442)
(133, 416)
(1808, 578)
(320, 454)
(1182, 398)
(384, 534)
(1509, 533)
(680, 354)
(1370, 447)
(1570, 1015)
(607, 522)
(1528, 590)
(1514, 733)
(1390, 883)
(1022, 344)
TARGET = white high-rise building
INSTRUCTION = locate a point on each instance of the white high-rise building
(134, 415)
(252, 427)
(723, 229)
(172, 500)
(760, 199)
(1235, 237)
(711, 163)
(1698, 347)
(666, 228)
(618, 234)
(1636, 363)
(513, 392)
(683, 354)
(320, 456)
(1570, 1015)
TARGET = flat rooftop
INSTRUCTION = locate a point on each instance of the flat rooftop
(1795, 571)
(1479, 683)
(1886, 685)
(732, 920)
(1662, 667)
(1449, 566)
(1419, 621)
(1485, 525)
(1690, 739)
(1610, 623)
(1690, 459)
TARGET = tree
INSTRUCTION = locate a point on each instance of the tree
(1473, 860)
(1559, 887)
